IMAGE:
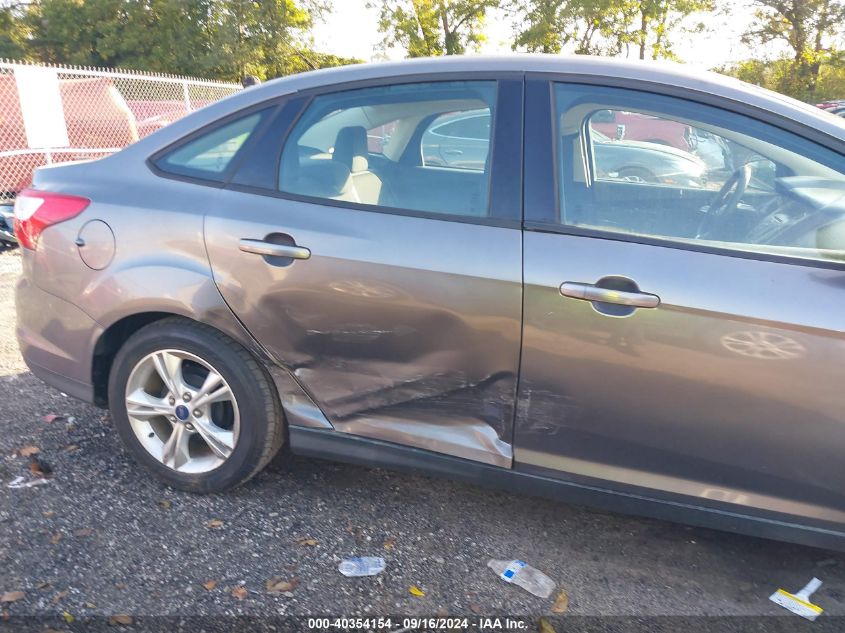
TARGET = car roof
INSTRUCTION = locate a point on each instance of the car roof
(635, 74)
(663, 73)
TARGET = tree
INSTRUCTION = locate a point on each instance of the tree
(226, 39)
(808, 27)
(13, 32)
(604, 27)
(591, 27)
(426, 28)
(655, 20)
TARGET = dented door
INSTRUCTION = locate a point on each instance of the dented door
(399, 327)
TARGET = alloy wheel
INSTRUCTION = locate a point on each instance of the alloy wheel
(182, 411)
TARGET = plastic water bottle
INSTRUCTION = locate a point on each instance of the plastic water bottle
(362, 566)
(519, 573)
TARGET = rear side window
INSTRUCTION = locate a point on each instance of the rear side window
(210, 155)
(415, 147)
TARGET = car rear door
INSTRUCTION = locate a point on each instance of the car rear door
(390, 290)
(671, 360)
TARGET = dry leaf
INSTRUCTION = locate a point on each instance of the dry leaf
(51, 417)
(56, 538)
(68, 617)
(389, 543)
(82, 532)
(48, 514)
(120, 585)
(71, 448)
(215, 523)
(209, 584)
(12, 596)
(59, 596)
(476, 608)
(239, 592)
(307, 540)
(29, 451)
(44, 585)
(561, 603)
(121, 619)
(90, 605)
(279, 585)
(166, 504)
(544, 626)
(416, 591)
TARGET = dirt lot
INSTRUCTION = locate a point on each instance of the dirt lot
(102, 539)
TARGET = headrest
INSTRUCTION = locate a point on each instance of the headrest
(350, 148)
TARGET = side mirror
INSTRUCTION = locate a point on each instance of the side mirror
(620, 131)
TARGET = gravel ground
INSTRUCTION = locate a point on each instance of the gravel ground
(101, 538)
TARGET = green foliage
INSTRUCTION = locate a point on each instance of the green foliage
(226, 39)
(780, 75)
(656, 20)
(592, 27)
(13, 32)
(603, 27)
(811, 29)
(427, 28)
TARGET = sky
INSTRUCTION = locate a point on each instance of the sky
(351, 30)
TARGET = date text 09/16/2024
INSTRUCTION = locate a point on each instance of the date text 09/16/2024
(417, 623)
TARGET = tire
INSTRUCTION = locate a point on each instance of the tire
(252, 418)
(637, 174)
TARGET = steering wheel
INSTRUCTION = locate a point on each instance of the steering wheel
(725, 201)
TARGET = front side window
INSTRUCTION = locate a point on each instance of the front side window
(209, 155)
(640, 165)
(416, 147)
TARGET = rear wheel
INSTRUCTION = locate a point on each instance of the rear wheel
(193, 406)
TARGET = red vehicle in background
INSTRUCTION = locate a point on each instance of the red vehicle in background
(830, 105)
(97, 118)
(635, 126)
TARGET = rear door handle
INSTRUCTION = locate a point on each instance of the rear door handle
(260, 247)
(590, 292)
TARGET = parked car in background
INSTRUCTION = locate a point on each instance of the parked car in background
(827, 105)
(462, 141)
(259, 273)
(96, 117)
(639, 126)
(7, 225)
(635, 161)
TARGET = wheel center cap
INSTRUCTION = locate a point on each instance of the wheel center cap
(182, 412)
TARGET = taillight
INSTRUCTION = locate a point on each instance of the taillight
(36, 210)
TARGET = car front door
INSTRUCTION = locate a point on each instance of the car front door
(391, 290)
(684, 339)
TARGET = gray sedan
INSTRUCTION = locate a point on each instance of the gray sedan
(262, 274)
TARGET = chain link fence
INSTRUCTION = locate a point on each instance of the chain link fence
(52, 114)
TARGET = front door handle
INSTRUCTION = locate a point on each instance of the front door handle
(591, 292)
(260, 247)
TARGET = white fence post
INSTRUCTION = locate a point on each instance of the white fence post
(187, 96)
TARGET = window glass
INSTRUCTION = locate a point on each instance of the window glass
(647, 149)
(458, 140)
(209, 155)
(390, 147)
(665, 168)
